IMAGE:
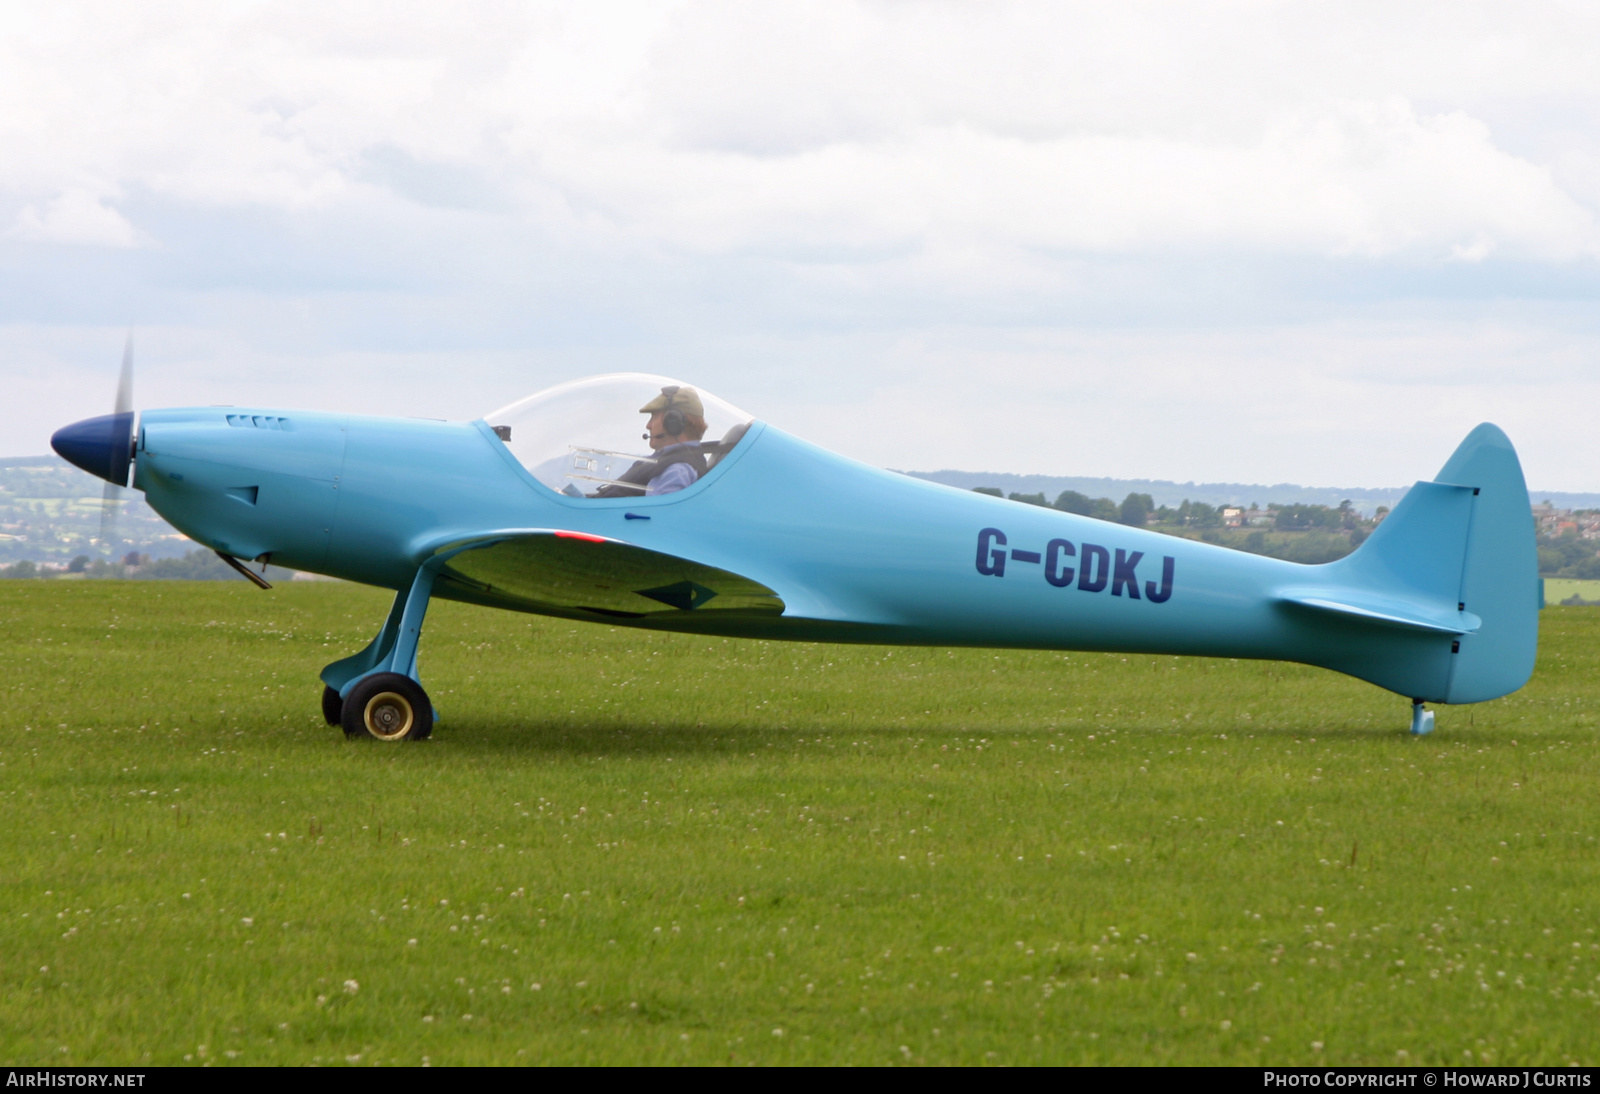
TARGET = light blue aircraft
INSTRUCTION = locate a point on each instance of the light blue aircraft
(726, 525)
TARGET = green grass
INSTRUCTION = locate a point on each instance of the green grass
(1557, 589)
(622, 847)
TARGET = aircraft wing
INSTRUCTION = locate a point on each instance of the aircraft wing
(558, 571)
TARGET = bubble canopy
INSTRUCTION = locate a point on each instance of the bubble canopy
(589, 438)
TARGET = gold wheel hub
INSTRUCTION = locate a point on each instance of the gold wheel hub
(389, 716)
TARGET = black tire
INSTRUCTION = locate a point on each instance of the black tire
(387, 707)
(332, 706)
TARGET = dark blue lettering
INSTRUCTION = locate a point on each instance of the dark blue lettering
(1125, 575)
(1052, 559)
(1096, 569)
(991, 562)
(1024, 556)
(1163, 594)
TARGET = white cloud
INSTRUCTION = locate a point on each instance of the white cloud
(837, 128)
(1052, 236)
(1369, 179)
(1333, 403)
(76, 217)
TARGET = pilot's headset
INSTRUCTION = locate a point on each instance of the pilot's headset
(673, 423)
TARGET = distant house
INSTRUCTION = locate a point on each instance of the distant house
(1232, 518)
(1549, 520)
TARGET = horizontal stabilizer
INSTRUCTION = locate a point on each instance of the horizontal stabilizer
(1383, 611)
(542, 569)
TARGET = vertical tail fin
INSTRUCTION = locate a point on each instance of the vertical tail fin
(1457, 555)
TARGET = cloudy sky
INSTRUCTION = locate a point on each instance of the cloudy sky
(1230, 241)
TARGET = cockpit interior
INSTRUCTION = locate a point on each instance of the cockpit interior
(625, 435)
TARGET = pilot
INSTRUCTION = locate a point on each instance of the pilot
(674, 429)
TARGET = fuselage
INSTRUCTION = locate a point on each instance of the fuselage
(855, 552)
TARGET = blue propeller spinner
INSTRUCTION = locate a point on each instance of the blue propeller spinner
(640, 501)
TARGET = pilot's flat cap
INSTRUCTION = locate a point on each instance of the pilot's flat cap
(686, 399)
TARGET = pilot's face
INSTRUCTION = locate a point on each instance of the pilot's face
(658, 436)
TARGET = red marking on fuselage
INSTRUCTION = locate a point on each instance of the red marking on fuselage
(586, 537)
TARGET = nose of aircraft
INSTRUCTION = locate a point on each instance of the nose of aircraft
(102, 446)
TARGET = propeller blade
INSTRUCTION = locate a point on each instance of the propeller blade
(110, 502)
(125, 380)
(111, 499)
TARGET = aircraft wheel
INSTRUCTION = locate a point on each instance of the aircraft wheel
(387, 707)
(332, 706)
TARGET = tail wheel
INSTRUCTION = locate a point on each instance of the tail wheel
(332, 706)
(387, 707)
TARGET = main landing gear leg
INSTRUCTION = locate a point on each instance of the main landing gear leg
(1421, 719)
(375, 693)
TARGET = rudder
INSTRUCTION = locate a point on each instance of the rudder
(1500, 576)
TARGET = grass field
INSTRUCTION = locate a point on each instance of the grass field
(1557, 589)
(625, 848)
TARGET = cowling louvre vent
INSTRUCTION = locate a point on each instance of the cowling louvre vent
(259, 421)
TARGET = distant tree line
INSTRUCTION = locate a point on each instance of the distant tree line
(1298, 533)
(1569, 555)
(1135, 509)
(199, 565)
